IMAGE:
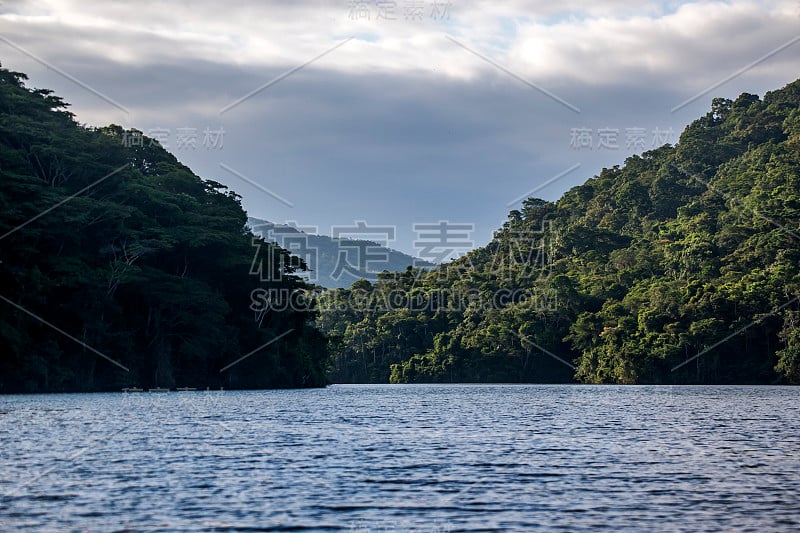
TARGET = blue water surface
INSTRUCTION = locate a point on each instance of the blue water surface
(380, 458)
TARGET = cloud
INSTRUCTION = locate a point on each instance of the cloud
(590, 42)
(697, 45)
(400, 124)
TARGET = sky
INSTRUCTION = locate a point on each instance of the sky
(350, 117)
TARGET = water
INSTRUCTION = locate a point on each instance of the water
(404, 458)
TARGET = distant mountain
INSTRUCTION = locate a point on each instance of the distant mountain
(335, 262)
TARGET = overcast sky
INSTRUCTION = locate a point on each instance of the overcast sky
(400, 113)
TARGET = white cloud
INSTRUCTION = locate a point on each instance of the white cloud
(591, 42)
(697, 45)
(400, 111)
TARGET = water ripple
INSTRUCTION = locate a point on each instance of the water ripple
(404, 458)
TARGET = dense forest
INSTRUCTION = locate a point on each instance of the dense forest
(120, 267)
(681, 266)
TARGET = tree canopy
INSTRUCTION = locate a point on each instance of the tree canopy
(681, 266)
(120, 267)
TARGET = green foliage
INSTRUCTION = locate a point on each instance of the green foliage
(645, 266)
(147, 263)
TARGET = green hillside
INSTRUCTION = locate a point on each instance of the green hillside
(681, 266)
(120, 267)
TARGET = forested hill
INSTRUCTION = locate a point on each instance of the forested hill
(120, 267)
(681, 266)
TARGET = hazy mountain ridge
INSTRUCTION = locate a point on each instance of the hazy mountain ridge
(335, 263)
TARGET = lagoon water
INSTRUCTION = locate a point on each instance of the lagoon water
(417, 458)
